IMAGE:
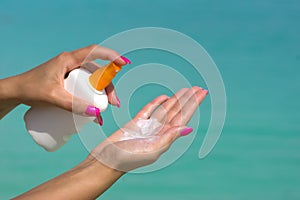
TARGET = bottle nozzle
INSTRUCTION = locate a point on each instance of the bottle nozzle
(102, 77)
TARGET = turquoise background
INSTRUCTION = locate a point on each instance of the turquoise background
(254, 43)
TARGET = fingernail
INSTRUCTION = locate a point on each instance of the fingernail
(206, 91)
(119, 103)
(95, 112)
(186, 131)
(92, 111)
(125, 60)
(100, 120)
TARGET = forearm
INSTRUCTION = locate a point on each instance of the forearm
(87, 180)
(8, 95)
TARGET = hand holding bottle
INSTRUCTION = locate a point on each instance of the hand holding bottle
(44, 84)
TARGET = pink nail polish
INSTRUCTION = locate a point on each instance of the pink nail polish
(125, 60)
(186, 131)
(92, 111)
(95, 112)
(100, 120)
(119, 103)
(206, 91)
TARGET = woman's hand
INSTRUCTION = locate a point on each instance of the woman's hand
(124, 154)
(44, 84)
(117, 154)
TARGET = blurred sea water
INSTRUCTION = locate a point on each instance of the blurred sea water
(255, 45)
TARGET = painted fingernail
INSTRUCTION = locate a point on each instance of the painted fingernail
(92, 111)
(119, 103)
(206, 91)
(95, 112)
(186, 131)
(100, 120)
(125, 60)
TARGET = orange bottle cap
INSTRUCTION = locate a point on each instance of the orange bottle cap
(103, 76)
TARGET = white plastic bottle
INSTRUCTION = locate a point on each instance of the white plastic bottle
(50, 126)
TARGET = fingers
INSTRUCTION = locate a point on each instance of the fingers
(177, 108)
(110, 89)
(112, 96)
(161, 112)
(173, 133)
(90, 66)
(61, 98)
(76, 58)
(85, 56)
(188, 109)
(146, 111)
(93, 52)
(170, 108)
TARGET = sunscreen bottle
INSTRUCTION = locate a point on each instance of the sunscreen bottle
(50, 126)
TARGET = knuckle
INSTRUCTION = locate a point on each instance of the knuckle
(64, 55)
(196, 88)
(51, 94)
(164, 96)
(113, 56)
(93, 46)
(67, 57)
(113, 52)
(159, 99)
(178, 106)
(184, 89)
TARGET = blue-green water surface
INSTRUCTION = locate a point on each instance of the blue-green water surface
(254, 43)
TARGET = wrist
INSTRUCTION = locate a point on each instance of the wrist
(97, 166)
(94, 177)
(88, 180)
(9, 89)
(8, 95)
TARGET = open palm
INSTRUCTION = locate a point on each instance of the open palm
(130, 148)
